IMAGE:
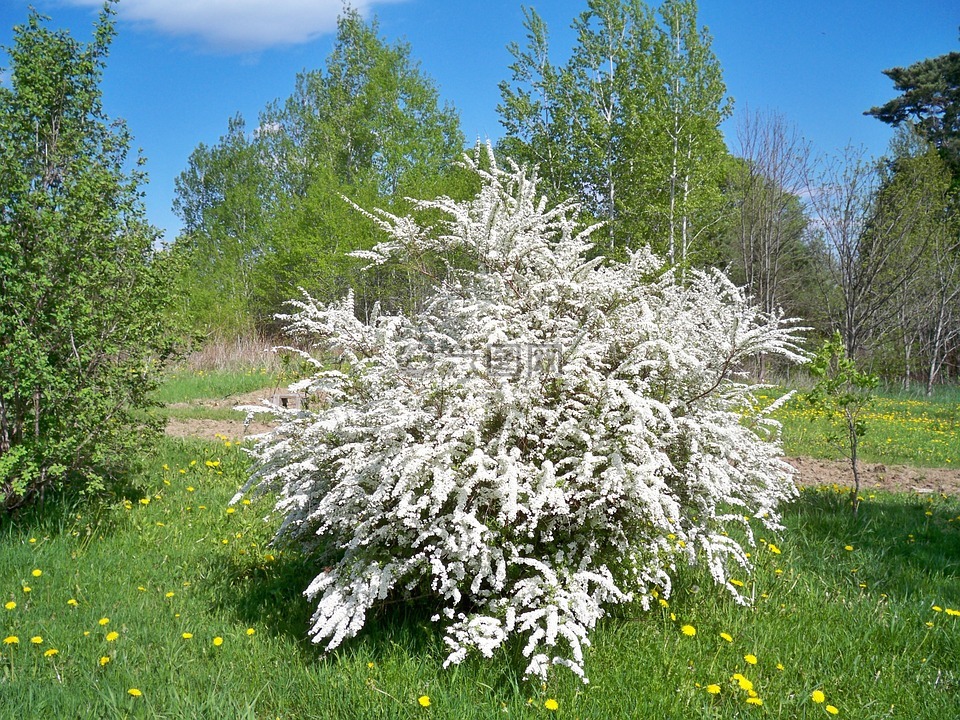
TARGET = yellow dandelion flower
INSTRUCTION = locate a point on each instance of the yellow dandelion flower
(832, 710)
(231, 510)
(688, 630)
(72, 602)
(111, 636)
(713, 689)
(104, 660)
(104, 621)
(10, 605)
(36, 640)
(551, 704)
(187, 636)
(26, 588)
(773, 548)
(217, 641)
(848, 548)
(937, 608)
(780, 666)
(37, 572)
(727, 636)
(663, 603)
(51, 652)
(737, 583)
(750, 658)
(169, 594)
(134, 692)
(952, 612)
(744, 684)
(754, 701)
(11, 640)
(817, 696)
(250, 631)
(424, 700)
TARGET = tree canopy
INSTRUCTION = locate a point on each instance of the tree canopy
(930, 98)
(260, 207)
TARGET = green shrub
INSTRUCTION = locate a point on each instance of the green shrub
(82, 323)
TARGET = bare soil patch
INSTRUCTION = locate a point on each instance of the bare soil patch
(877, 476)
(209, 429)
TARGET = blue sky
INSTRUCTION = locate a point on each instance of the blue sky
(180, 68)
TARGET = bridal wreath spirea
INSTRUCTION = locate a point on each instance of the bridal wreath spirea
(550, 435)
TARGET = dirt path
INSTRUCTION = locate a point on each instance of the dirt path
(208, 429)
(810, 471)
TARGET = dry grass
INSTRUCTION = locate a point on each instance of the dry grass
(237, 353)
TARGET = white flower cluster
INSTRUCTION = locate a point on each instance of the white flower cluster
(550, 435)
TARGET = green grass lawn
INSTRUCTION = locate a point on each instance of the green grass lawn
(178, 596)
(900, 430)
(187, 385)
(185, 395)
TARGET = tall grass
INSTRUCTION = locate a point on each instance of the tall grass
(233, 353)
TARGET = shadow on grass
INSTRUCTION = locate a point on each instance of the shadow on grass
(271, 597)
(902, 543)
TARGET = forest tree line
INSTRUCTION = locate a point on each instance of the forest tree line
(629, 125)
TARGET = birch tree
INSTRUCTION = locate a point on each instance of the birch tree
(629, 123)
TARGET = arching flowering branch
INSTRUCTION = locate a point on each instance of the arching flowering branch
(551, 435)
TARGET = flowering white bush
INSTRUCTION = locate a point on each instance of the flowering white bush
(550, 435)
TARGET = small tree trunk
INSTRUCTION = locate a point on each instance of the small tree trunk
(854, 440)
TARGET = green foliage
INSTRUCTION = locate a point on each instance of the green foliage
(222, 198)
(629, 123)
(82, 323)
(930, 100)
(843, 394)
(264, 212)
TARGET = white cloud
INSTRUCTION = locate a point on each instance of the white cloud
(238, 25)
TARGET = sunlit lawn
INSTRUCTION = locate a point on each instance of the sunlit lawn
(900, 430)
